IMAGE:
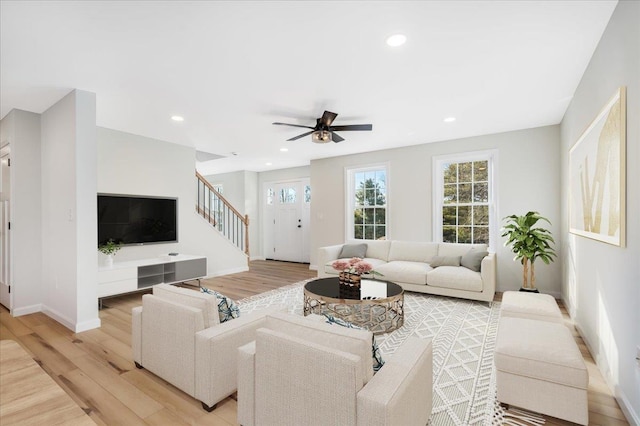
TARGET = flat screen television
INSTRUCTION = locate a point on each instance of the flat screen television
(131, 219)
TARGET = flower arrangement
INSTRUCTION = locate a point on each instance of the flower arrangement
(355, 265)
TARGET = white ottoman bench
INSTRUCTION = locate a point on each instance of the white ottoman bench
(530, 305)
(540, 368)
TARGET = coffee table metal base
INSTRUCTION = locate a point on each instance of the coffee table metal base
(377, 316)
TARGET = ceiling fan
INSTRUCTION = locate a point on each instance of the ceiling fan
(324, 132)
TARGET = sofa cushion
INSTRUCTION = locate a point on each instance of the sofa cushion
(445, 261)
(405, 272)
(376, 356)
(455, 277)
(227, 308)
(530, 305)
(473, 259)
(412, 251)
(207, 303)
(377, 249)
(451, 249)
(353, 250)
(357, 342)
(374, 262)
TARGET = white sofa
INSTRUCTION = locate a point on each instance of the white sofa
(408, 264)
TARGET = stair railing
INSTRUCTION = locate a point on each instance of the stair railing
(214, 208)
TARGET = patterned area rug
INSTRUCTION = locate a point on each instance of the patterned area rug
(463, 334)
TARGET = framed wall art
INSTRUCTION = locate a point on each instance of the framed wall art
(598, 176)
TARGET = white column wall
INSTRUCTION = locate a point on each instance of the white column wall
(69, 271)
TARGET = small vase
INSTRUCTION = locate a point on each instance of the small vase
(109, 261)
(348, 279)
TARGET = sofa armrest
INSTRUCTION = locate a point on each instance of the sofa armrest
(488, 274)
(246, 384)
(136, 333)
(401, 393)
(216, 354)
(167, 340)
(326, 255)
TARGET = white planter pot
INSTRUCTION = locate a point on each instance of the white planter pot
(109, 261)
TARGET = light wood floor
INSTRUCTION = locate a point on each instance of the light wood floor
(96, 367)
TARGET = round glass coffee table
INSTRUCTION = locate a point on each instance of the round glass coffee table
(377, 305)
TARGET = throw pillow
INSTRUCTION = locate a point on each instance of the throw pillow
(227, 308)
(473, 259)
(353, 250)
(445, 261)
(376, 356)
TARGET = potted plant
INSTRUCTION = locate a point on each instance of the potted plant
(528, 244)
(110, 248)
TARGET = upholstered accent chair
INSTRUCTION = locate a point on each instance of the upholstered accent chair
(303, 371)
(177, 335)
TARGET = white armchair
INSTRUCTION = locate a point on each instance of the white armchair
(177, 335)
(300, 371)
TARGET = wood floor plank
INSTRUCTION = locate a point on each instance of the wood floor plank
(106, 369)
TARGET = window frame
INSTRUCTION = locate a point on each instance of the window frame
(491, 156)
(350, 193)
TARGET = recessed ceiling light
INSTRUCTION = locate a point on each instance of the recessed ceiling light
(177, 118)
(284, 149)
(397, 40)
(267, 164)
(449, 119)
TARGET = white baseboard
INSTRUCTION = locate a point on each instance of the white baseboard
(26, 310)
(88, 325)
(621, 398)
(257, 258)
(229, 271)
(52, 313)
(313, 267)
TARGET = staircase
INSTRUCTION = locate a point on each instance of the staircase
(215, 209)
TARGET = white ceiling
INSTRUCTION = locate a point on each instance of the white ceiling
(232, 68)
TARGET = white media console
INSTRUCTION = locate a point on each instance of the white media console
(134, 275)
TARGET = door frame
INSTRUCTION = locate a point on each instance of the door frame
(5, 154)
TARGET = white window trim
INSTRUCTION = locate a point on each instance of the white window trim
(349, 173)
(438, 187)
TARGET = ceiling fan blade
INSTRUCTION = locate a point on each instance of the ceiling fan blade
(328, 117)
(292, 125)
(300, 136)
(352, 127)
(336, 137)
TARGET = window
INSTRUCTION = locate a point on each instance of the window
(287, 196)
(464, 207)
(307, 193)
(367, 203)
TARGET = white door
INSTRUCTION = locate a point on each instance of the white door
(5, 260)
(291, 207)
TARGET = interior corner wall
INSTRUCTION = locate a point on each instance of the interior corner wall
(601, 282)
(135, 165)
(527, 178)
(68, 184)
(21, 129)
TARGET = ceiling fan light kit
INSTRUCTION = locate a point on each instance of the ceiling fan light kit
(321, 136)
(324, 132)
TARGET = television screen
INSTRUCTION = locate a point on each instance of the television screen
(137, 220)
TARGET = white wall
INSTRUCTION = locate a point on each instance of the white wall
(528, 176)
(601, 285)
(135, 165)
(21, 130)
(69, 236)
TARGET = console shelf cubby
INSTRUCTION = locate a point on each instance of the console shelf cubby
(130, 276)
